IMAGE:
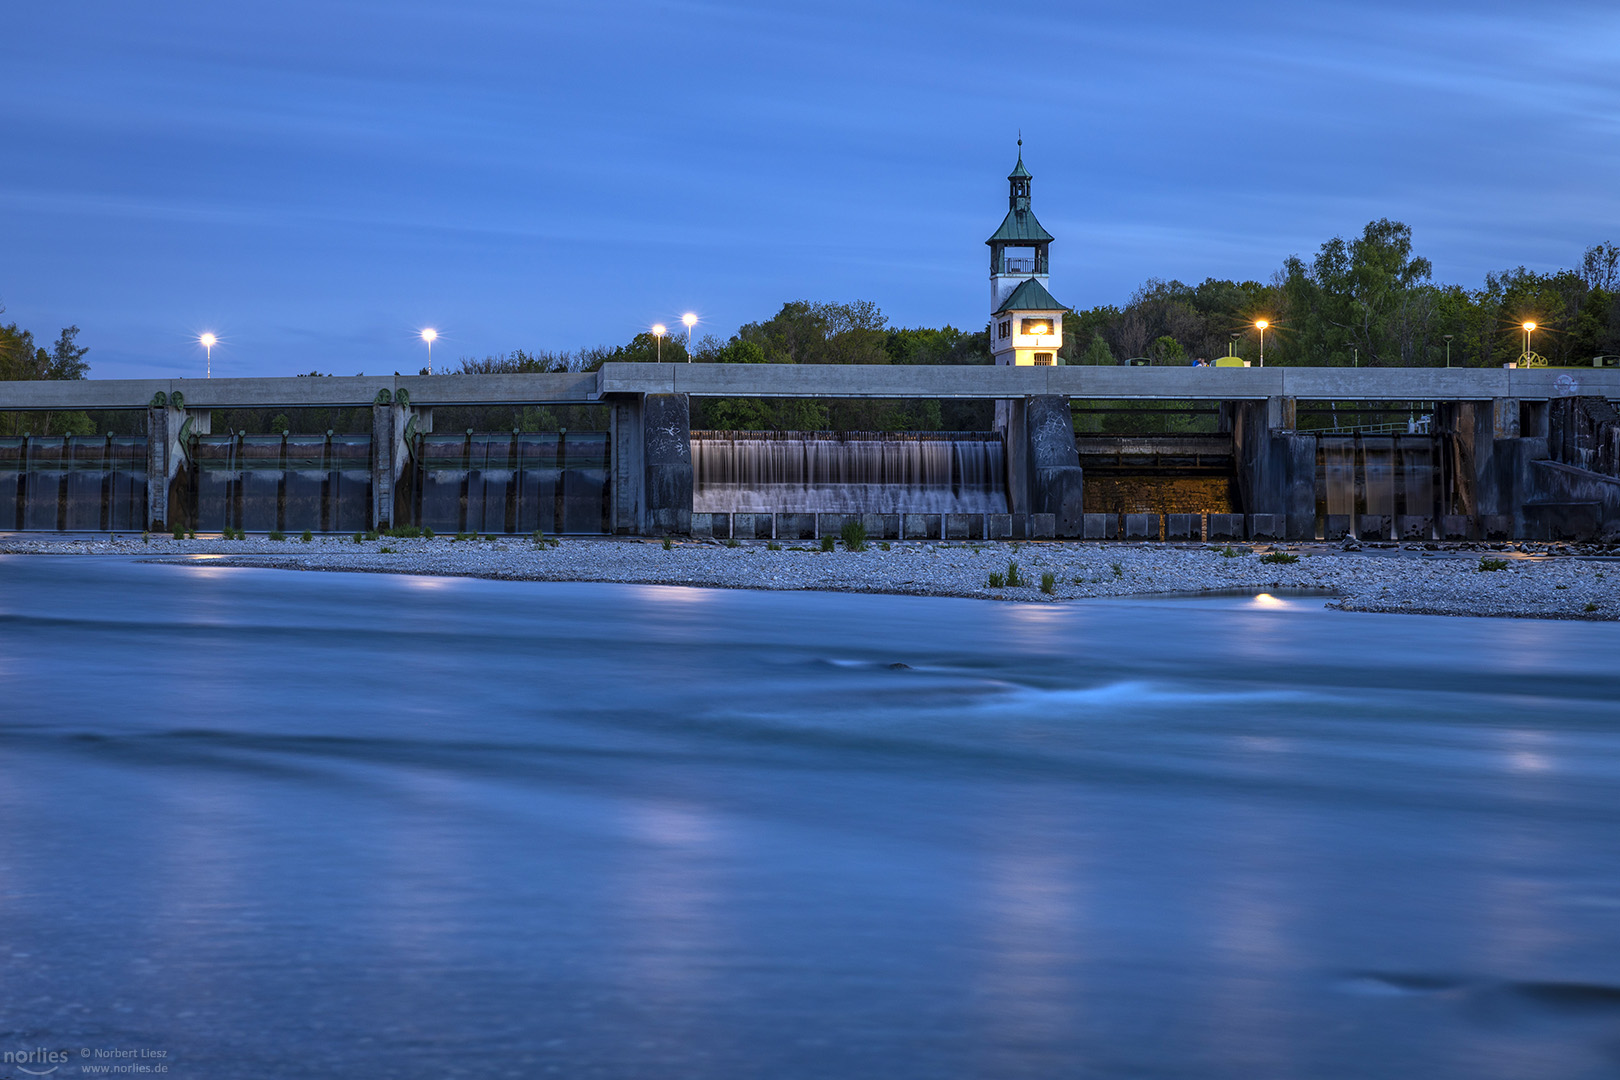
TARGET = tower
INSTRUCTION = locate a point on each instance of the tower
(1026, 323)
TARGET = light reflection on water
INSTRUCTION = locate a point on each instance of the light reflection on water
(406, 826)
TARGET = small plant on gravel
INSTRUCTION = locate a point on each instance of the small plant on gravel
(669, 544)
(386, 550)
(1282, 557)
(1048, 582)
(732, 541)
(885, 546)
(773, 546)
(1560, 586)
(307, 537)
(358, 538)
(179, 533)
(371, 534)
(191, 534)
(854, 536)
(1589, 607)
(277, 534)
(427, 533)
(827, 543)
(146, 538)
(1230, 552)
(997, 579)
(1118, 568)
(1014, 579)
(1492, 564)
(404, 532)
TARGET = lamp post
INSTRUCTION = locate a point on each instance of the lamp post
(690, 320)
(430, 335)
(659, 330)
(1261, 324)
(208, 341)
(1529, 326)
(1448, 350)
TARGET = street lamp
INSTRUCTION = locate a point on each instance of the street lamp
(208, 341)
(1448, 350)
(1529, 326)
(430, 335)
(659, 330)
(690, 320)
(1261, 324)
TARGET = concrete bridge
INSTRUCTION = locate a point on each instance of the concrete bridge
(1517, 456)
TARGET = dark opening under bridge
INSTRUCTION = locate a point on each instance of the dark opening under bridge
(1521, 452)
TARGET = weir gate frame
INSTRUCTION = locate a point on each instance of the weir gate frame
(649, 427)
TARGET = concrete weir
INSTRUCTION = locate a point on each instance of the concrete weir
(1525, 453)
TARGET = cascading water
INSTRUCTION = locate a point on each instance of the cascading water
(1417, 473)
(74, 482)
(848, 472)
(287, 482)
(1339, 473)
(1378, 474)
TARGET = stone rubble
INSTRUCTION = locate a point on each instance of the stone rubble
(1538, 580)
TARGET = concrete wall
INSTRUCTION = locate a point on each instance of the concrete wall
(667, 446)
(1056, 482)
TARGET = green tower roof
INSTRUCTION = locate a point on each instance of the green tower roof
(1030, 295)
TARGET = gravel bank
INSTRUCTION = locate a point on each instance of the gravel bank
(1446, 581)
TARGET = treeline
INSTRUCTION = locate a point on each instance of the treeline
(1370, 301)
(22, 358)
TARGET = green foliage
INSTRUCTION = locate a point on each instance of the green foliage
(1281, 557)
(884, 546)
(359, 538)
(1013, 578)
(1098, 353)
(179, 532)
(1230, 552)
(997, 579)
(277, 534)
(854, 535)
(385, 550)
(669, 544)
(1048, 582)
(732, 541)
(1488, 564)
(827, 543)
(404, 532)
(1590, 606)
(307, 537)
(1119, 570)
(371, 534)
(773, 546)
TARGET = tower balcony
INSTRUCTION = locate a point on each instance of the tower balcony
(1020, 264)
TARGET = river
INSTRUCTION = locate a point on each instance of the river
(262, 823)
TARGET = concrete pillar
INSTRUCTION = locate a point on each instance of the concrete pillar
(1505, 417)
(666, 426)
(627, 454)
(1276, 468)
(394, 424)
(169, 425)
(1056, 483)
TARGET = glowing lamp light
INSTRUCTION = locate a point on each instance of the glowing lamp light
(430, 335)
(208, 341)
(1529, 326)
(659, 330)
(690, 320)
(1262, 324)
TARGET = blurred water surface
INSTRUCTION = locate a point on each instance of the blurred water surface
(300, 824)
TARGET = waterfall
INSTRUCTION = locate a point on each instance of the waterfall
(1339, 473)
(847, 472)
(287, 482)
(1378, 474)
(1417, 474)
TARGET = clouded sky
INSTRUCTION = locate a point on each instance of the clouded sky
(314, 181)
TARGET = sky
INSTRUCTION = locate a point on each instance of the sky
(316, 182)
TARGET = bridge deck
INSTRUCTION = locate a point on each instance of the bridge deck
(835, 381)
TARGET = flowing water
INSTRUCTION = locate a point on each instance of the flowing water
(282, 824)
(848, 472)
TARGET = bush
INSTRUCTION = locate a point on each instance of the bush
(1486, 565)
(1048, 583)
(277, 534)
(997, 579)
(827, 543)
(773, 546)
(1013, 578)
(358, 538)
(179, 533)
(404, 532)
(1282, 557)
(854, 535)
(1230, 552)
(884, 545)
(386, 550)
(1590, 607)
(427, 533)
(307, 537)
(732, 541)
(371, 534)
(1119, 569)
(669, 544)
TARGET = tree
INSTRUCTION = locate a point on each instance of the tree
(1097, 352)
(22, 359)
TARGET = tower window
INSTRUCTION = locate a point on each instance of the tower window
(1004, 329)
(1035, 326)
(1043, 359)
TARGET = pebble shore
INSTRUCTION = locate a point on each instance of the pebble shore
(1537, 581)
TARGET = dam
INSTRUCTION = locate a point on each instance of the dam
(1501, 454)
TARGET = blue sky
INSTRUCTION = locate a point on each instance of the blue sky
(316, 181)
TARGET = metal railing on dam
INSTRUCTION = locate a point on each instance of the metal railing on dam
(830, 381)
